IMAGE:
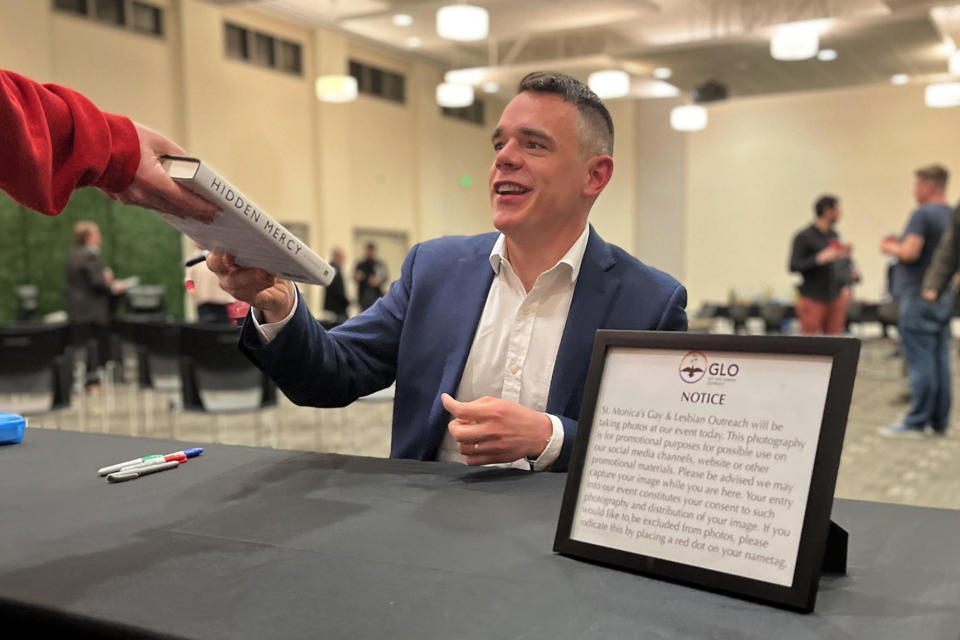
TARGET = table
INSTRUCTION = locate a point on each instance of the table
(257, 543)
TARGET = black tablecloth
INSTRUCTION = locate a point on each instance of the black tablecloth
(256, 543)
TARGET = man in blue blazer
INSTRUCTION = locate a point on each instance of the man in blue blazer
(502, 322)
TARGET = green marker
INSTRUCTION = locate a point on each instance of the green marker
(121, 465)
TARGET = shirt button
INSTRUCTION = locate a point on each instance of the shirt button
(527, 312)
(514, 368)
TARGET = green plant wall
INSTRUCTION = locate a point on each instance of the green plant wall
(33, 249)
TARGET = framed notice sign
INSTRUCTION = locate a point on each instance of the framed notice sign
(710, 460)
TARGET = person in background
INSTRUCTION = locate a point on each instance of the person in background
(53, 141)
(941, 276)
(89, 288)
(924, 326)
(204, 287)
(824, 262)
(945, 263)
(371, 275)
(335, 297)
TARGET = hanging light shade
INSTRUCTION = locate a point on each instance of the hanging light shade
(463, 22)
(795, 41)
(690, 117)
(942, 95)
(472, 76)
(609, 84)
(336, 88)
(955, 63)
(454, 96)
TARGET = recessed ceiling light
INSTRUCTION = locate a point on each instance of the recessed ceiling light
(463, 22)
(662, 73)
(955, 63)
(454, 96)
(795, 41)
(690, 117)
(827, 55)
(336, 88)
(900, 78)
(612, 83)
(942, 94)
(413, 42)
(402, 20)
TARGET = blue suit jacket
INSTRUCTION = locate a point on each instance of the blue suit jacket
(420, 334)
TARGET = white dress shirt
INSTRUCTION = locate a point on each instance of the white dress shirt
(517, 340)
(516, 343)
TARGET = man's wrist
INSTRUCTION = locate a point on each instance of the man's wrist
(551, 451)
(270, 316)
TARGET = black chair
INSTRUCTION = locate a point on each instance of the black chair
(773, 314)
(738, 315)
(36, 368)
(26, 295)
(158, 369)
(888, 313)
(146, 302)
(123, 346)
(216, 376)
(158, 352)
(855, 314)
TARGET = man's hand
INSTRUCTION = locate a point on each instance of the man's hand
(831, 253)
(930, 295)
(271, 295)
(492, 430)
(152, 188)
(890, 246)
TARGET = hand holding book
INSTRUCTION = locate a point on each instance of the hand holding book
(271, 295)
(153, 188)
(242, 229)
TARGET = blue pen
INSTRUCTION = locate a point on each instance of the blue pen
(190, 453)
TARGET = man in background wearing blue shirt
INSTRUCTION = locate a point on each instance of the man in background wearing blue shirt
(924, 326)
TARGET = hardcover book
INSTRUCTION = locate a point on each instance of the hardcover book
(243, 229)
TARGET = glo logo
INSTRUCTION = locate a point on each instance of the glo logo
(723, 369)
(693, 366)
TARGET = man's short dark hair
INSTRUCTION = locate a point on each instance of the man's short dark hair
(824, 203)
(935, 173)
(596, 138)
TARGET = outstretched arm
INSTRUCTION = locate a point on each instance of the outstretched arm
(53, 141)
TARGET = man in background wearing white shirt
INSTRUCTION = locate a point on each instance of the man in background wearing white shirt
(502, 322)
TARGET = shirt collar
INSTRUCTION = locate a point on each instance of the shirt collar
(572, 258)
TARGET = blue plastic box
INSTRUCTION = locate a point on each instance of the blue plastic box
(11, 428)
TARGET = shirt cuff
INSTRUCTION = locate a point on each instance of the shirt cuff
(552, 450)
(269, 331)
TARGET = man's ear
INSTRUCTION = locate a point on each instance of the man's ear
(599, 172)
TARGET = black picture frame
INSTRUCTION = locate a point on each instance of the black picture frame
(801, 594)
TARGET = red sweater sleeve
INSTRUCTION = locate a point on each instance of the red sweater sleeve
(53, 140)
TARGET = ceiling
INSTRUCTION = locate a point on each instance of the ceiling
(724, 40)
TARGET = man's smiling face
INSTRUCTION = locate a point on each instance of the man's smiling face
(538, 176)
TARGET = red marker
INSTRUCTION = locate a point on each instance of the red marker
(173, 457)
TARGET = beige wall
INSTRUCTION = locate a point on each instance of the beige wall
(660, 176)
(754, 172)
(613, 214)
(25, 31)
